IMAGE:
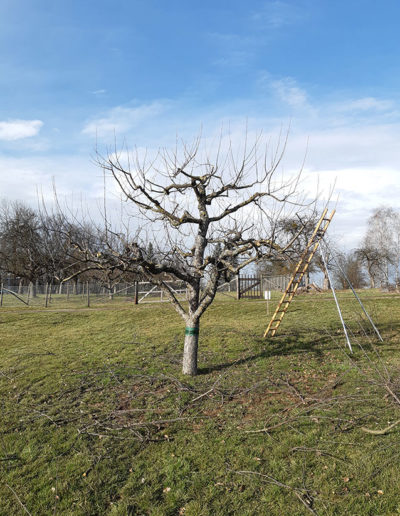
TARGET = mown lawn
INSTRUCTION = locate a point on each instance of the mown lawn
(96, 417)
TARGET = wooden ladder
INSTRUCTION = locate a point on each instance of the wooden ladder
(299, 271)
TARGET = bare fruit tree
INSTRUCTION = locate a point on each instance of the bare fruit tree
(207, 215)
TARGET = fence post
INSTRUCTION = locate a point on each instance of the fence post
(136, 292)
(46, 302)
(1, 294)
(88, 294)
(238, 286)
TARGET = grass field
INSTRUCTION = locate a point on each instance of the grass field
(96, 417)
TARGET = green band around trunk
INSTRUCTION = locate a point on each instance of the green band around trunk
(191, 331)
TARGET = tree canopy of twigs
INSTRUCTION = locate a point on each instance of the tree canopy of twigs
(207, 214)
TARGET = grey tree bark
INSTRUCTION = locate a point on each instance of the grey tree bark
(190, 348)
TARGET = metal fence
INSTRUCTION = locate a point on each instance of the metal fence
(274, 282)
(82, 294)
(85, 293)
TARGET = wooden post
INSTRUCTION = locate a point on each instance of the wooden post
(88, 294)
(1, 294)
(67, 291)
(136, 292)
(238, 286)
(46, 302)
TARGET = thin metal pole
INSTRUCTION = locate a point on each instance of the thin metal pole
(1, 294)
(336, 301)
(356, 295)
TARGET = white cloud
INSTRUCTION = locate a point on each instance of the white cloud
(277, 14)
(22, 178)
(283, 92)
(98, 92)
(12, 130)
(121, 119)
(289, 92)
(351, 140)
(365, 104)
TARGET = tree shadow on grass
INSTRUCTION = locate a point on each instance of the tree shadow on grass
(295, 343)
(283, 345)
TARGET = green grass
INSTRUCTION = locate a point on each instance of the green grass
(96, 417)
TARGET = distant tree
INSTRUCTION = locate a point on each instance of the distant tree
(297, 230)
(371, 258)
(150, 252)
(21, 247)
(305, 227)
(54, 248)
(350, 269)
(275, 266)
(380, 249)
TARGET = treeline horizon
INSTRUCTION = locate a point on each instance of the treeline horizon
(36, 248)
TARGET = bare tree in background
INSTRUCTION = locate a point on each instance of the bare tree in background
(206, 218)
(380, 250)
(371, 258)
(21, 251)
(289, 228)
(350, 270)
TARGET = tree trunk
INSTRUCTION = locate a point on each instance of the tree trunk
(371, 279)
(326, 285)
(32, 289)
(190, 347)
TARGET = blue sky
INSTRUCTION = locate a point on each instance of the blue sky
(73, 73)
